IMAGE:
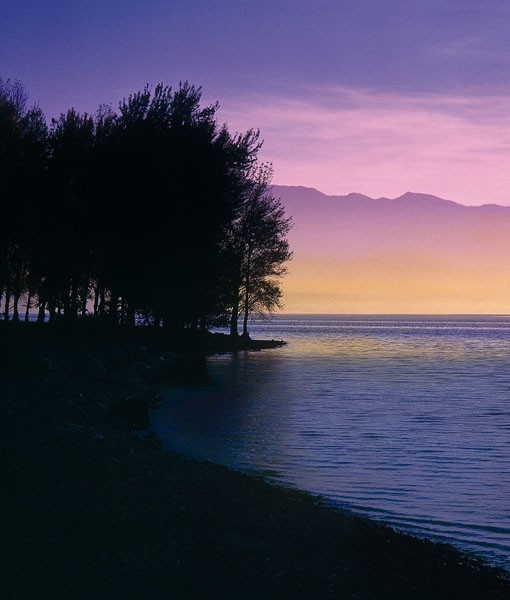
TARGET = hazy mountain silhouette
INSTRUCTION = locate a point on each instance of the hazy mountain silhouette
(414, 253)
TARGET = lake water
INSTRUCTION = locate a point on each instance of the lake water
(402, 419)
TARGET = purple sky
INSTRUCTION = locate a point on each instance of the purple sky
(362, 95)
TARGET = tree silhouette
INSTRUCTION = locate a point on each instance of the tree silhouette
(23, 136)
(257, 251)
(154, 213)
(66, 265)
(175, 176)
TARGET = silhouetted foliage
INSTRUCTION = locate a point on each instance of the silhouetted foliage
(257, 248)
(23, 137)
(131, 214)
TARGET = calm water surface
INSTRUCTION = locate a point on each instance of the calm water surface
(402, 419)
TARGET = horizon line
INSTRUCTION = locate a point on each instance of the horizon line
(339, 314)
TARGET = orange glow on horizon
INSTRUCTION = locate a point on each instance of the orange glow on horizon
(413, 255)
(334, 286)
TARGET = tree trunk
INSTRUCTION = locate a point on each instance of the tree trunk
(113, 308)
(27, 309)
(73, 304)
(40, 313)
(65, 304)
(234, 317)
(84, 298)
(15, 311)
(96, 300)
(247, 284)
(246, 311)
(52, 308)
(102, 301)
(6, 306)
(123, 310)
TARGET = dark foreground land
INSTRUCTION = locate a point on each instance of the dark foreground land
(89, 509)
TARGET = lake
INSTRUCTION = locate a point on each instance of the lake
(404, 419)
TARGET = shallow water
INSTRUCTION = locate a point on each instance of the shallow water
(403, 419)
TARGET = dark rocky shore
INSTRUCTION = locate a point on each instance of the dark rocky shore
(92, 509)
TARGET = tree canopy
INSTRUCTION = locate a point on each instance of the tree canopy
(258, 250)
(154, 213)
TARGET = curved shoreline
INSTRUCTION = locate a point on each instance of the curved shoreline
(92, 509)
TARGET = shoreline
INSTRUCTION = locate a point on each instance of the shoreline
(93, 509)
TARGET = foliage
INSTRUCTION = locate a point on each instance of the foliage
(132, 213)
(23, 149)
(258, 249)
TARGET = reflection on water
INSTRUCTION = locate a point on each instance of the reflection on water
(406, 419)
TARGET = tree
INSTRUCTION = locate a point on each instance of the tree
(173, 194)
(65, 248)
(257, 250)
(155, 211)
(23, 136)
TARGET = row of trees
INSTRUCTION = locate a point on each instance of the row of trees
(154, 213)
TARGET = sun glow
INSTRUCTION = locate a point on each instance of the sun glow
(418, 255)
(315, 286)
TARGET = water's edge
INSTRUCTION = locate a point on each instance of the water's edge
(406, 427)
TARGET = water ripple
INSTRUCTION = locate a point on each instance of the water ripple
(402, 419)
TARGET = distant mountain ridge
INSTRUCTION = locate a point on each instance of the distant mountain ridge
(413, 253)
(297, 192)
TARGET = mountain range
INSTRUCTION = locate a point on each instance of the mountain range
(413, 254)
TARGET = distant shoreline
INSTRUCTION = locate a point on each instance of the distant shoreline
(92, 509)
(438, 315)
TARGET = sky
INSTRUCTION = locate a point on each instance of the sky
(368, 96)
(417, 254)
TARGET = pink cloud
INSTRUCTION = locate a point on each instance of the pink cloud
(341, 140)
